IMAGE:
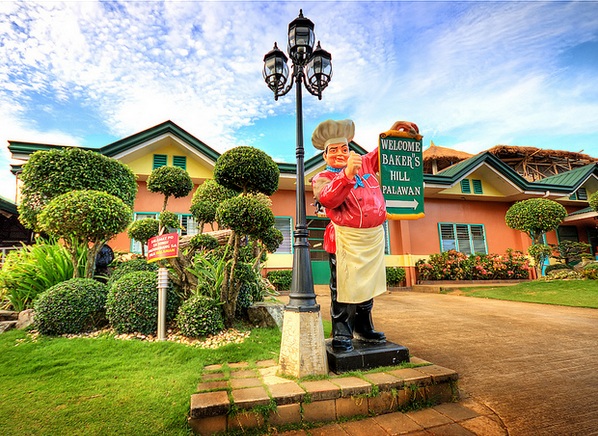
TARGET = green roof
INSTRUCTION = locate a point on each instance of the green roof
(572, 178)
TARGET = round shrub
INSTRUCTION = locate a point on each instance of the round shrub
(281, 279)
(556, 267)
(132, 303)
(207, 198)
(394, 276)
(133, 265)
(199, 317)
(246, 215)
(73, 306)
(247, 169)
(203, 242)
(169, 181)
(590, 271)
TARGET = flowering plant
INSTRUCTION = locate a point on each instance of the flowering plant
(453, 265)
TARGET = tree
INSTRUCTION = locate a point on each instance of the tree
(51, 173)
(205, 201)
(593, 201)
(170, 181)
(536, 217)
(255, 174)
(82, 218)
(143, 230)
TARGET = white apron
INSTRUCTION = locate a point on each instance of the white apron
(360, 267)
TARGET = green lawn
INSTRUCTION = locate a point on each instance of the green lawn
(105, 386)
(578, 293)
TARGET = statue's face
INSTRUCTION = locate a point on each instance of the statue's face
(336, 155)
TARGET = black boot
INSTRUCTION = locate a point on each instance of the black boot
(364, 326)
(341, 314)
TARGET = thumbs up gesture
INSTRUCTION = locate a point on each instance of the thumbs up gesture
(353, 165)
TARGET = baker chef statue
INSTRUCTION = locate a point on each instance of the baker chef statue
(351, 195)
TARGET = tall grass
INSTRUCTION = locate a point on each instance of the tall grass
(33, 269)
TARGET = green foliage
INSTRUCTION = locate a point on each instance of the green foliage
(169, 220)
(453, 265)
(132, 303)
(199, 317)
(539, 252)
(206, 200)
(571, 252)
(142, 230)
(394, 275)
(281, 279)
(48, 174)
(203, 242)
(210, 271)
(593, 201)
(535, 217)
(33, 269)
(82, 217)
(562, 274)
(556, 267)
(170, 181)
(73, 306)
(271, 239)
(246, 215)
(247, 169)
(590, 271)
(120, 269)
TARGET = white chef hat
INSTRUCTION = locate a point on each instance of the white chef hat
(333, 132)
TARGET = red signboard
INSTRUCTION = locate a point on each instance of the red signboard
(163, 247)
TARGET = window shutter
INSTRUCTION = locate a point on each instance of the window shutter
(465, 187)
(477, 187)
(463, 238)
(160, 160)
(478, 239)
(582, 194)
(284, 225)
(447, 237)
(180, 161)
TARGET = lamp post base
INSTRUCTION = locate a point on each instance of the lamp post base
(302, 348)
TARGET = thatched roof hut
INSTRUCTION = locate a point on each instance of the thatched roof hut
(535, 163)
(437, 158)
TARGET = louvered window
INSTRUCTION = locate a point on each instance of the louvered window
(180, 161)
(188, 224)
(582, 194)
(284, 224)
(477, 187)
(466, 238)
(465, 186)
(160, 160)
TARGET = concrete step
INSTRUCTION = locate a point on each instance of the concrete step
(239, 396)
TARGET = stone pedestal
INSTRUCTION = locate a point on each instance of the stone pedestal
(302, 348)
(365, 355)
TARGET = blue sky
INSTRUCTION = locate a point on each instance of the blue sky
(471, 74)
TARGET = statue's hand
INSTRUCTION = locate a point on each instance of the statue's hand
(353, 165)
(406, 126)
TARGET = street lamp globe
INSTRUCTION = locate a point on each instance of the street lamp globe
(319, 70)
(301, 39)
(276, 70)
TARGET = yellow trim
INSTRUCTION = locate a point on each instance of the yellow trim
(400, 134)
(413, 216)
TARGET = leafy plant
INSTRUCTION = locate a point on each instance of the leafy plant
(200, 316)
(203, 242)
(281, 279)
(170, 181)
(247, 169)
(132, 303)
(395, 275)
(48, 174)
(206, 199)
(85, 218)
(571, 252)
(210, 272)
(33, 269)
(73, 306)
(535, 216)
(120, 269)
(590, 271)
(143, 230)
(539, 252)
(555, 267)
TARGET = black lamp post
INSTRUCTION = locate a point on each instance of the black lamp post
(313, 69)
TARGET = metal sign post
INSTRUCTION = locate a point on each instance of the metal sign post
(162, 287)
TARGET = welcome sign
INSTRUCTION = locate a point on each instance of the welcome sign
(402, 174)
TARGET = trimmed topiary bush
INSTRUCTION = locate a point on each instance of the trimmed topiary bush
(199, 317)
(556, 267)
(134, 265)
(73, 306)
(247, 169)
(394, 275)
(281, 279)
(132, 303)
(203, 242)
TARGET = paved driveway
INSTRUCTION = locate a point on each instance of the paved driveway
(535, 365)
